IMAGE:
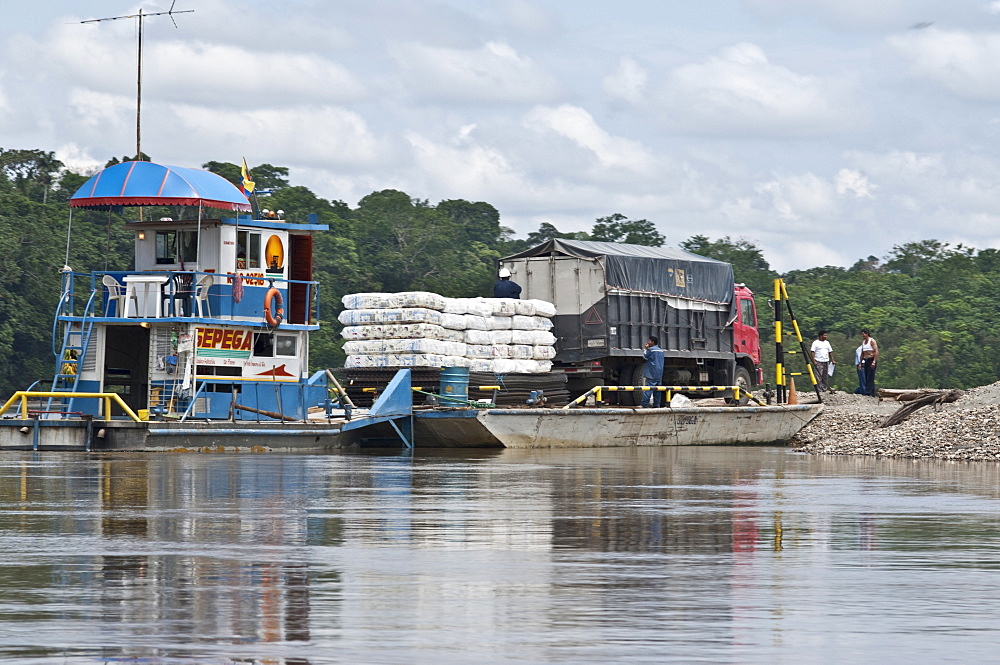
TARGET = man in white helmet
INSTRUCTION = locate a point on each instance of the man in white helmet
(504, 288)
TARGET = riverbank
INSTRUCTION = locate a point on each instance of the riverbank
(968, 429)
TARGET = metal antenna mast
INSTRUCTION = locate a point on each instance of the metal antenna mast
(138, 79)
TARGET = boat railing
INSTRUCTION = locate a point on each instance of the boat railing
(106, 399)
(162, 294)
(739, 394)
(193, 401)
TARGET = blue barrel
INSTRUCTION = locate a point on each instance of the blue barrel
(454, 383)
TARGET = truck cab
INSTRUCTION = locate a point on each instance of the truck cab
(611, 297)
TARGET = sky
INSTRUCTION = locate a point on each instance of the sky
(823, 131)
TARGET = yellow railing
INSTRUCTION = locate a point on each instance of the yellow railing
(597, 392)
(106, 399)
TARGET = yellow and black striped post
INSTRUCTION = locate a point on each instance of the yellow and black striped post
(781, 393)
(782, 303)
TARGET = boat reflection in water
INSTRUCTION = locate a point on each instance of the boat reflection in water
(706, 554)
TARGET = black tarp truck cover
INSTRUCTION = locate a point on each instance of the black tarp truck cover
(661, 270)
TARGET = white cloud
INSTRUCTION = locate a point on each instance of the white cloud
(95, 110)
(219, 72)
(741, 91)
(577, 125)
(627, 82)
(470, 170)
(316, 135)
(495, 72)
(850, 181)
(852, 14)
(967, 63)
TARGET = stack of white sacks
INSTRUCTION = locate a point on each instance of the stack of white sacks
(421, 329)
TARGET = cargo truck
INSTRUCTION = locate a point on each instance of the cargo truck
(611, 297)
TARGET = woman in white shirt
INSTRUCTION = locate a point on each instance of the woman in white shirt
(869, 359)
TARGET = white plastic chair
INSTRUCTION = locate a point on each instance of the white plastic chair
(201, 294)
(118, 294)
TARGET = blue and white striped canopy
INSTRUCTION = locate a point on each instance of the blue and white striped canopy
(149, 184)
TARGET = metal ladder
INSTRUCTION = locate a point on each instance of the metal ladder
(69, 360)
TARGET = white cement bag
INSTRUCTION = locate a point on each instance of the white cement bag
(453, 335)
(524, 307)
(454, 348)
(394, 331)
(395, 346)
(420, 299)
(521, 352)
(505, 367)
(480, 365)
(474, 322)
(543, 308)
(453, 321)
(360, 317)
(365, 300)
(499, 322)
(395, 360)
(504, 306)
(479, 350)
(456, 361)
(530, 323)
(478, 336)
(500, 336)
(522, 337)
(543, 337)
(500, 351)
(543, 353)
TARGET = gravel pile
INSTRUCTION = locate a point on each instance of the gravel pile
(968, 429)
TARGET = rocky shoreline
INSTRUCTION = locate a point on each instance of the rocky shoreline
(968, 429)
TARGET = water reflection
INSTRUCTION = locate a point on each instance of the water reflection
(623, 555)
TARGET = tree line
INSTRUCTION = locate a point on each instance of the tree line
(928, 304)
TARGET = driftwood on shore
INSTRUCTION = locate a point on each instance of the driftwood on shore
(917, 399)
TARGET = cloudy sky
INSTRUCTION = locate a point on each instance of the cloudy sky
(822, 130)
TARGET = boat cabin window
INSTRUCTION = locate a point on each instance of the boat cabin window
(247, 250)
(174, 247)
(284, 345)
(268, 345)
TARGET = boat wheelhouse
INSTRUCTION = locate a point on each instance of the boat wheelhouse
(214, 320)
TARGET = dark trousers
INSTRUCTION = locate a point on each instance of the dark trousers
(868, 365)
(653, 398)
(860, 390)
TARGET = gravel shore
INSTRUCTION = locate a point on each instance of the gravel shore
(968, 429)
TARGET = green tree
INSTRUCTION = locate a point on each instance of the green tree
(619, 228)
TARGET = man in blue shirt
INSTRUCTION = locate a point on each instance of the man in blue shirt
(504, 288)
(653, 373)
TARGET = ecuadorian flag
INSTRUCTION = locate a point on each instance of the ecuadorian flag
(248, 184)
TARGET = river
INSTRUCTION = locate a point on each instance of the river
(665, 555)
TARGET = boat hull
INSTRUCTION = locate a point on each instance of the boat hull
(608, 428)
(152, 436)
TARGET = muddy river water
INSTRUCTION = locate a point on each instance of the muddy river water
(683, 555)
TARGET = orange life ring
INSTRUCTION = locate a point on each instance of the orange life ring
(279, 312)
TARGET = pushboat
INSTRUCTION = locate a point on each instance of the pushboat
(206, 340)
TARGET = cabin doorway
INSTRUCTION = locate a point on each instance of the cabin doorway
(300, 268)
(126, 364)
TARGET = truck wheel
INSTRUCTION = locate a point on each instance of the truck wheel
(631, 375)
(745, 383)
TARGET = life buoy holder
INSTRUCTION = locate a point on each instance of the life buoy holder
(274, 320)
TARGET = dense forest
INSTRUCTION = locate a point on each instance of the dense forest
(930, 305)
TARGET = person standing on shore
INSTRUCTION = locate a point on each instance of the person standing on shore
(860, 390)
(869, 360)
(822, 356)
